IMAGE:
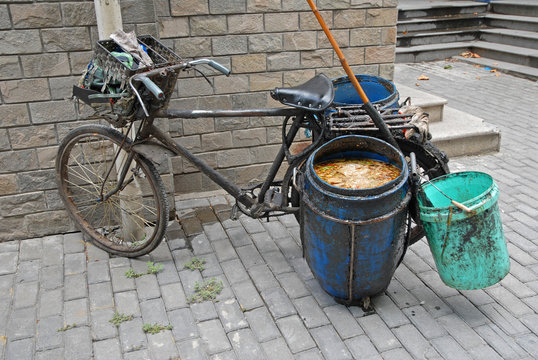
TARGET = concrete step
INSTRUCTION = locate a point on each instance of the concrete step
(432, 104)
(515, 22)
(528, 39)
(430, 52)
(417, 9)
(436, 37)
(440, 23)
(507, 53)
(523, 8)
(523, 71)
(462, 134)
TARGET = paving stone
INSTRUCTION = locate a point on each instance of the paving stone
(226, 355)
(449, 348)
(189, 279)
(192, 349)
(98, 272)
(484, 353)
(321, 296)
(331, 346)
(509, 301)
(76, 312)
(75, 287)
(263, 242)
(162, 345)
(50, 303)
(22, 349)
(173, 296)
(224, 250)
(400, 295)
(432, 279)
(289, 247)
(101, 326)
(415, 263)
(379, 333)
(239, 237)
(301, 268)
(312, 354)
(117, 262)
(161, 253)
(252, 226)
(263, 277)
(153, 312)
(517, 287)
(276, 229)
(407, 278)
(53, 252)
(28, 271)
(235, 271)
(431, 302)
(31, 249)
(249, 255)
(247, 296)
(212, 266)
(8, 262)
(52, 277)
(204, 311)
(107, 350)
(48, 336)
(467, 311)
(245, 345)
(5, 308)
(74, 263)
(6, 287)
(415, 343)
(201, 245)
(184, 326)
(147, 287)
(127, 303)
(343, 322)
(295, 334)
(293, 285)
(310, 312)
(101, 296)
(278, 303)
(477, 297)
(73, 243)
(262, 324)
(52, 354)
(230, 315)
(396, 354)
(213, 336)
(389, 312)
(136, 355)
(25, 294)
(503, 319)
(120, 282)
(424, 322)
(78, 343)
(529, 342)
(10, 246)
(215, 232)
(131, 335)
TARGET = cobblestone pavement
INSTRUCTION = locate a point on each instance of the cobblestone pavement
(271, 307)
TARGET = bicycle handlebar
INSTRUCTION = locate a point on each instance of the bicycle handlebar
(152, 87)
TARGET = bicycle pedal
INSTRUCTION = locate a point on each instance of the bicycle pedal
(274, 198)
(234, 214)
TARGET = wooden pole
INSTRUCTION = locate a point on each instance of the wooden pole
(108, 14)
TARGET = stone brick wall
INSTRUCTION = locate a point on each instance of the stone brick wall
(45, 45)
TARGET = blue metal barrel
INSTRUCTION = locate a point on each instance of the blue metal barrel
(353, 240)
(379, 91)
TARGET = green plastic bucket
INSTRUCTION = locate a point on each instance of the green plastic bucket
(469, 248)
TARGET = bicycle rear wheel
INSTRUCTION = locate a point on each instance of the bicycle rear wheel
(132, 221)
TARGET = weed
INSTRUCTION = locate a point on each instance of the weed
(155, 328)
(119, 318)
(195, 264)
(208, 290)
(67, 327)
(152, 268)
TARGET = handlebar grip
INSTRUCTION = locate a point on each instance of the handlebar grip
(151, 86)
(215, 65)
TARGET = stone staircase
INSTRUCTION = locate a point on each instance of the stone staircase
(455, 132)
(503, 33)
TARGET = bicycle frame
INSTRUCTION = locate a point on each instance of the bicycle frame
(257, 205)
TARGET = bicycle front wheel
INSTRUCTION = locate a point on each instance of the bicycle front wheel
(127, 220)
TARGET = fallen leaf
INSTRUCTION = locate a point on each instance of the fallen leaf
(495, 64)
(417, 84)
(423, 77)
(469, 54)
(493, 70)
(448, 67)
(478, 78)
(405, 32)
(497, 74)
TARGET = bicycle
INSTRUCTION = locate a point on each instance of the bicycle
(112, 190)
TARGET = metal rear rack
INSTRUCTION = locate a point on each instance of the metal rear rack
(355, 119)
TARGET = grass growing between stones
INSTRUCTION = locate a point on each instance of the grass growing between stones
(155, 328)
(208, 290)
(67, 327)
(152, 268)
(119, 318)
(195, 264)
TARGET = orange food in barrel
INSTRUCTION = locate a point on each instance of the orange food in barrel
(356, 173)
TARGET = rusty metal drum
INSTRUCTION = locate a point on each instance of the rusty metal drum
(353, 239)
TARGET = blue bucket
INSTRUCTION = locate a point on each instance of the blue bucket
(379, 91)
(353, 240)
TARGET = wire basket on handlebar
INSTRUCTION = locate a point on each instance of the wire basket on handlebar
(105, 83)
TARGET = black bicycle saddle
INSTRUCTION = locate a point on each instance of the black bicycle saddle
(315, 95)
